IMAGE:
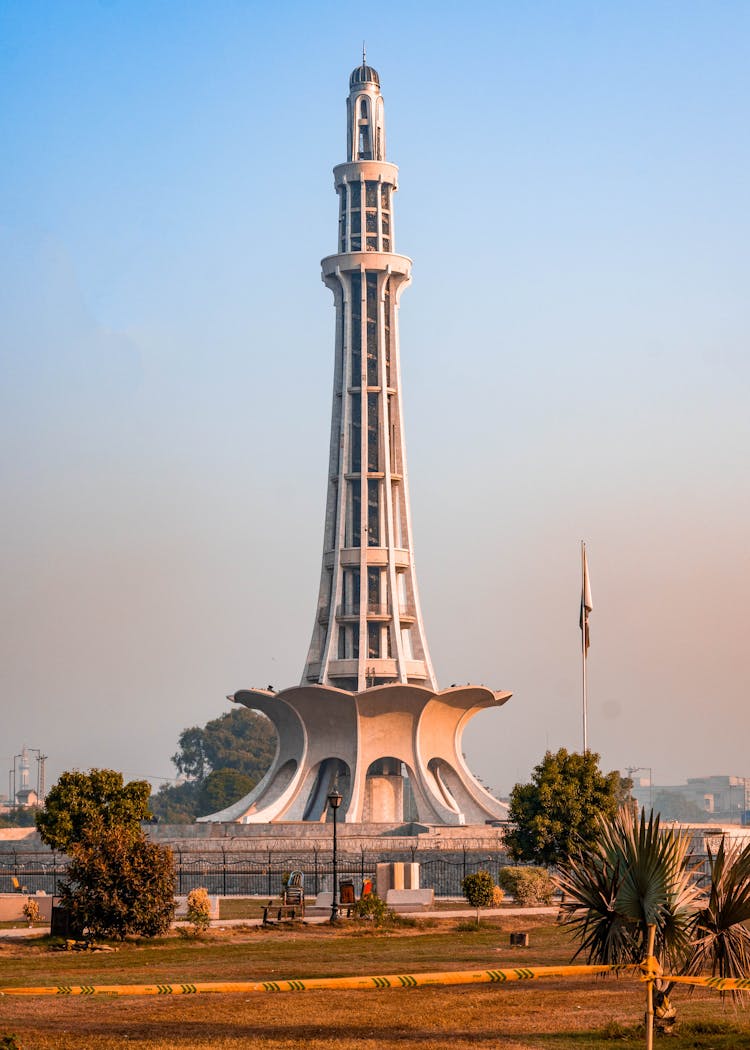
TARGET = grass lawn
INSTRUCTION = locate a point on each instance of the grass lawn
(542, 1015)
(243, 907)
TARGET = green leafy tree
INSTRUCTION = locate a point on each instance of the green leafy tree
(479, 890)
(19, 817)
(673, 805)
(560, 807)
(241, 739)
(222, 787)
(223, 761)
(178, 803)
(80, 802)
(625, 791)
(117, 881)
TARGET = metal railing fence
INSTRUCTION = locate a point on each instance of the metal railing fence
(260, 873)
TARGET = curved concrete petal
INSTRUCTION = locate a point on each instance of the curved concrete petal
(272, 795)
(440, 751)
(321, 730)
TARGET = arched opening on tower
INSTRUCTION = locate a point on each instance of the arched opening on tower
(389, 795)
(331, 773)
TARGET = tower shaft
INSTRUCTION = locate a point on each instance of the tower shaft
(368, 629)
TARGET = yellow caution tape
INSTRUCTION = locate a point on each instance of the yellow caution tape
(416, 980)
(650, 968)
(719, 984)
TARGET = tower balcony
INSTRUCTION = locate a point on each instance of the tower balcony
(374, 611)
(366, 171)
(347, 261)
(375, 668)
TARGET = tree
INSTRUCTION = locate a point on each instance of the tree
(222, 787)
(561, 806)
(117, 882)
(224, 761)
(79, 802)
(178, 803)
(673, 805)
(479, 890)
(635, 874)
(240, 739)
(18, 817)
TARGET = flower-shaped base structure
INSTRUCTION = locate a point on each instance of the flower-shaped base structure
(393, 751)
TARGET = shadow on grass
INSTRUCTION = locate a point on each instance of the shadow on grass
(691, 1035)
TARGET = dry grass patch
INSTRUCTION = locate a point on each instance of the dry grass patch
(548, 1015)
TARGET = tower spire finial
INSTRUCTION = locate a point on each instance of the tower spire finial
(364, 55)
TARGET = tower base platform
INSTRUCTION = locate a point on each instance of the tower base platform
(392, 751)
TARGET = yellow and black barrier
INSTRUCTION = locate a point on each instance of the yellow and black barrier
(718, 984)
(366, 983)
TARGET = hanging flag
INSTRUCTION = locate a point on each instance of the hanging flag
(586, 606)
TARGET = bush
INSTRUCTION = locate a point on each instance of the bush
(479, 890)
(199, 910)
(498, 896)
(373, 908)
(119, 883)
(527, 885)
(31, 911)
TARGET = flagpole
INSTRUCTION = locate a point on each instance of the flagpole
(584, 625)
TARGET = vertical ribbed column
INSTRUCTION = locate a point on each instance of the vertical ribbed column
(368, 629)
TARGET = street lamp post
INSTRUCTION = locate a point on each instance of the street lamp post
(334, 801)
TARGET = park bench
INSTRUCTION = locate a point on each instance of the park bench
(292, 905)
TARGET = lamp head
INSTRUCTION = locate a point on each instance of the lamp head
(335, 799)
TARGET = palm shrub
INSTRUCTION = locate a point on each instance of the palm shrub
(636, 874)
(721, 938)
(632, 876)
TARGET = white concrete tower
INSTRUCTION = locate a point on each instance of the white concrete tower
(368, 716)
(368, 627)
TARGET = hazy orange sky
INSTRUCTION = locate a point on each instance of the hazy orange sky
(574, 194)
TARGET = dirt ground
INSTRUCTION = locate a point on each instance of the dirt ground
(581, 1014)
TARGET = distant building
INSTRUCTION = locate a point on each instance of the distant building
(725, 798)
(22, 794)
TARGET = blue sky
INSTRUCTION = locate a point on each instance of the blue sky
(574, 194)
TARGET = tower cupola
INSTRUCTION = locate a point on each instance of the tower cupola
(365, 115)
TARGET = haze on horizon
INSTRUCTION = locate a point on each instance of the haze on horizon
(574, 194)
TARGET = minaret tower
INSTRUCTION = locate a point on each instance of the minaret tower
(368, 717)
(368, 627)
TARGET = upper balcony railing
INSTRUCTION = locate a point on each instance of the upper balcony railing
(373, 609)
